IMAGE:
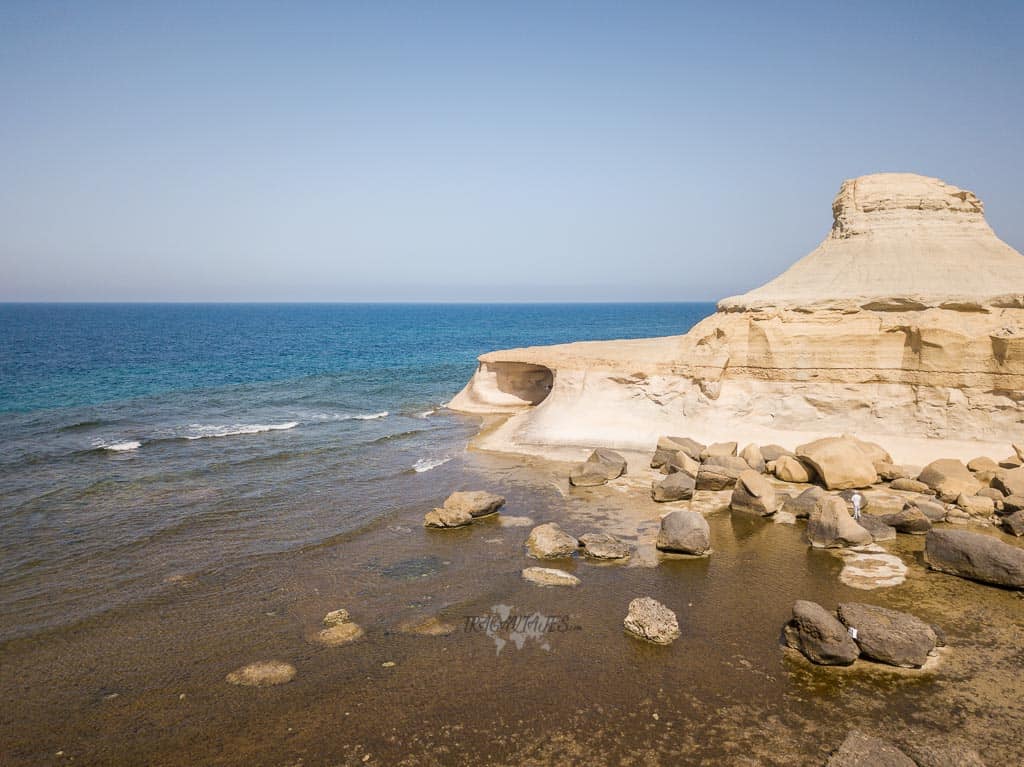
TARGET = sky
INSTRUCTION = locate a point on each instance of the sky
(519, 151)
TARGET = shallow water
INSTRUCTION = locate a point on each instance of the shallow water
(724, 693)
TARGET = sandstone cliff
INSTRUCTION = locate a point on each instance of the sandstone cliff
(906, 324)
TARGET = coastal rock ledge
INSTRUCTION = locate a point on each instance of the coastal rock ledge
(904, 326)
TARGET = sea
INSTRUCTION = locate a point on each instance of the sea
(146, 441)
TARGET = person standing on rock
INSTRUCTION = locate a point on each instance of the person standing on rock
(856, 499)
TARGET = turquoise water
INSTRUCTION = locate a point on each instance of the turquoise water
(143, 440)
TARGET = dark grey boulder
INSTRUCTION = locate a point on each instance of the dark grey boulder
(889, 636)
(805, 504)
(935, 512)
(1013, 524)
(860, 750)
(684, 532)
(878, 529)
(816, 633)
(976, 557)
(675, 487)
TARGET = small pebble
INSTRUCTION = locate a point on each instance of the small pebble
(388, 664)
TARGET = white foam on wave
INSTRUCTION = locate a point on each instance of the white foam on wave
(366, 417)
(119, 447)
(426, 464)
(426, 414)
(205, 431)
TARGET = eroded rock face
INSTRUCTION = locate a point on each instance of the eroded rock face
(650, 620)
(819, 635)
(889, 636)
(549, 541)
(975, 556)
(684, 532)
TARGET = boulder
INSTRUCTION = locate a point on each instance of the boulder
(816, 633)
(684, 532)
(790, 469)
(660, 458)
(949, 478)
(911, 520)
(888, 472)
(1014, 523)
(682, 462)
(935, 512)
(1009, 482)
(547, 576)
(982, 463)
(752, 455)
(675, 487)
(549, 541)
(674, 444)
(604, 546)
(831, 526)
(860, 750)
(774, 452)
(875, 452)
(601, 466)
(889, 636)
(839, 462)
(991, 492)
(805, 504)
(262, 674)
(650, 620)
(879, 530)
(976, 505)
(911, 486)
(445, 518)
(753, 494)
(720, 472)
(1012, 462)
(479, 503)
(718, 449)
(975, 556)
(1012, 503)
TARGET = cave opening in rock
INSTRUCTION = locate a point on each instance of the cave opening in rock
(522, 380)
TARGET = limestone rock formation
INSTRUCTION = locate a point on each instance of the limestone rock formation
(905, 327)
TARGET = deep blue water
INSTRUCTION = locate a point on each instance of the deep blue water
(144, 441)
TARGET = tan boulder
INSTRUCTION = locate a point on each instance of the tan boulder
(949, 478)
(446, 518)
(754, 494)
(839, 462)
(976, 505)
(790, 469)
(1009, 482)
(680, 461)
(831, 526)
(549, 541)
(479, 503)
(718, 449)
(752, 455)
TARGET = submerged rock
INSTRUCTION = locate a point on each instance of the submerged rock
(549, 541)
(604, 546)
(753, 494)
(684, 532)
(889, 636)
(650, 620)
(860, 750)
(819, 635)
(262, 674)
(547, 576)
(678, 486)
(336, 617)
(976, 557)
(339, 634)
(831, 526)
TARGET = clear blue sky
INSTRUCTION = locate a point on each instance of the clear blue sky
(478, 151)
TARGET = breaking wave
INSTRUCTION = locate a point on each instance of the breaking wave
(426, 464)
(119, 447)
(206, 431)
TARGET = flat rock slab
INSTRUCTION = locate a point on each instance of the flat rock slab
(262, 674)
(889, 636)
(869, 570)
(975, 556)
(604, 546)
(650, 620)
(860, 750)
(547, 576)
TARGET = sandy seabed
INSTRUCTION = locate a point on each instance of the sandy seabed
(146, 684)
